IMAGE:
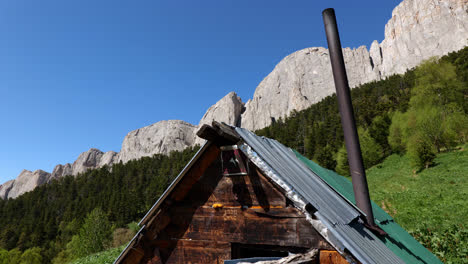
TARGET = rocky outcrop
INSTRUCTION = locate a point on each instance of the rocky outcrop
(159, 138)
(108, 158)
(418, 30)
(25, 182)
(300, 80)
(62, 170)
(5, 189)
(91, 159)
(227, 110)
(87, 160)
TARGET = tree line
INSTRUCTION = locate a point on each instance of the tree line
(50, 216)
(420, 112)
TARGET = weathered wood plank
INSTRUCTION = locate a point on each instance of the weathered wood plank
(331, 257)
(226, 132)
(193, 251)
(194, 174)
(134, 255)
(287, 227)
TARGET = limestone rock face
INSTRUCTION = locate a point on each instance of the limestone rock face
(62, 170)
(159, 138)
(87, 160)
(420, 29)
(227, 110)
(91, 159)
(300, 80)
(108, 158)
(5, 189)
(27, 181)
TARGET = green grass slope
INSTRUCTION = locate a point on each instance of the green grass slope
(431, 204)
(104, 257)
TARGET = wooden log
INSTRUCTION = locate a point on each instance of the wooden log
(226, 132)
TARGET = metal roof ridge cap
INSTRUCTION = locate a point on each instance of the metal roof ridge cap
(176, 180)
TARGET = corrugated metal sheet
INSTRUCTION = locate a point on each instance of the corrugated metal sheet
(398, 240)
(298, 176)
(337, 214)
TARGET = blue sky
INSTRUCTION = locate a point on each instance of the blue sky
(82, 74)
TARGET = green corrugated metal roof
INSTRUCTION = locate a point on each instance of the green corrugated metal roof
(398, 240)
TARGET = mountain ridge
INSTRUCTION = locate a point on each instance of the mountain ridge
(418, 30)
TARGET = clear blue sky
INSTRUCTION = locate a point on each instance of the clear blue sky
(82, 74)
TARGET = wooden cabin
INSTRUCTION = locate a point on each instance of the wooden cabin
(248, 197)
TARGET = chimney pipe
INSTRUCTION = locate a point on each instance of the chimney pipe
(356, 165)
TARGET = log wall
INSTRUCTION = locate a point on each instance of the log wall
(208, 213)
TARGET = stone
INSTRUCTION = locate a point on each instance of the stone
(62, 170)
(417, 31)
(86, 161)
(159, 138)
(421, 29)
(91, 159)
(109, 158)
(27, 181)
(300, 80)
(5, 189)
(227, 110)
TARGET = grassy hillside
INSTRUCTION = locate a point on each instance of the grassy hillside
(431, 204)
(105, 257)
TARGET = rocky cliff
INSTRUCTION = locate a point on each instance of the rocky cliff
(91, 159)
(159, 138)
(418, 30)
(227, 110)
(300, 80)
(25, 182)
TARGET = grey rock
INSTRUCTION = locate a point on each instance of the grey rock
(27, 181)
(86, 161)
(159, 138)
(227, 110)
(5, 189)
(62, 170)
(91, 159)
(300, 80)
(418, 30)
(109, 158)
